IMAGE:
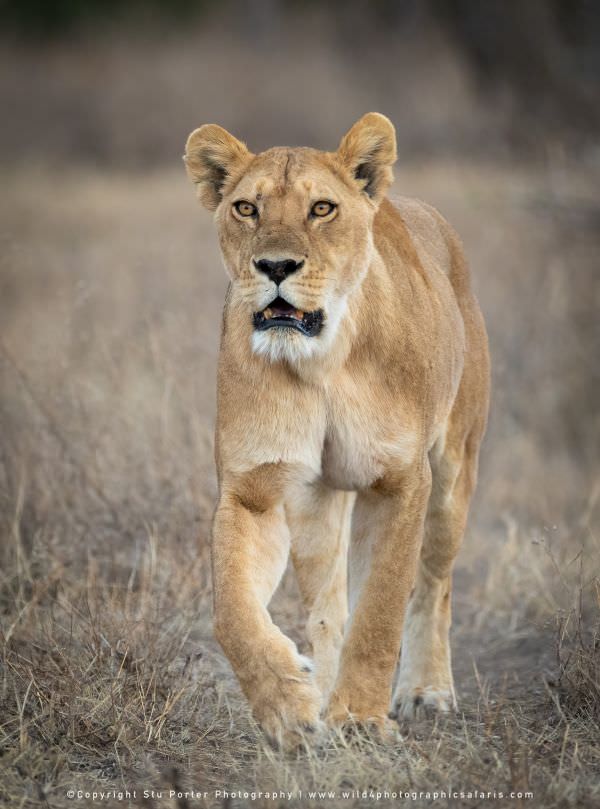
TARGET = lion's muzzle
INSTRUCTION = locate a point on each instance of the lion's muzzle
(280, 314)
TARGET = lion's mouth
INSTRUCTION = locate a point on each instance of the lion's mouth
(280, 314)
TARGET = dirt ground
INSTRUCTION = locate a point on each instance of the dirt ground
(111, 289)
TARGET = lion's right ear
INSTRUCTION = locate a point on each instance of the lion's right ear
(212, 158)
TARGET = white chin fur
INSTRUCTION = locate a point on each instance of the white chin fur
(283, 344)
(277, 345)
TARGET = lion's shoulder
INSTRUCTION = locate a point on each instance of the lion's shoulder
(409, 223)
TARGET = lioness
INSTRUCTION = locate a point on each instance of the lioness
(352, 399)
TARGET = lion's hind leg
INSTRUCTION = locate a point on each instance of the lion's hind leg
(425, 683)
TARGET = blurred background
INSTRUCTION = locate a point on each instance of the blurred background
(111, 283)
(117, 82)
(497, 110)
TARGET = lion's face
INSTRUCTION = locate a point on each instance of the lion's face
(295, 239)
(294, 228)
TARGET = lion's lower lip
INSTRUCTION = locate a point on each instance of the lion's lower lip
(280, 314)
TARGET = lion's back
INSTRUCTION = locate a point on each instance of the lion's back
(413, 230)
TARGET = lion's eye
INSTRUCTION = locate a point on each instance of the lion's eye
(245, 208)
(322, 208)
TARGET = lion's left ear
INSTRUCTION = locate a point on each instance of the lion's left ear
(212, 158)
(368, 151)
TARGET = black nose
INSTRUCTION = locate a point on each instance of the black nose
(278, 271)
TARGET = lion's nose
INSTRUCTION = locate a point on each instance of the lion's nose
(278, 271)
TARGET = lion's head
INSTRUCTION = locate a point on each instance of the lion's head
(295, 228)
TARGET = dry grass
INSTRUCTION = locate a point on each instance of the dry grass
(110, 301)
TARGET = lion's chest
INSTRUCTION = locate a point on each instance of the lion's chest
(350, 460)
(362, 441)
(348, 434)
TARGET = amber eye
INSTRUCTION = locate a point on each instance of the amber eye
(245, 208)
(322, 208)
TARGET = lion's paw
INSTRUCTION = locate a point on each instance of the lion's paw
(421, 703)
(287, 707)
(353, 721)
(354, 728)
(292, 722)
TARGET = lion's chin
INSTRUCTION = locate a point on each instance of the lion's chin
(281, 315)
(283, 344)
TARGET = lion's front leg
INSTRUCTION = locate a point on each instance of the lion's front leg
(250, 548)
(386, 539)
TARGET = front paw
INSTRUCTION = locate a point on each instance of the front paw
(286, 704)
(347, 717)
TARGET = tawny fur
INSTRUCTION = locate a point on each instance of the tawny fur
(354, 450)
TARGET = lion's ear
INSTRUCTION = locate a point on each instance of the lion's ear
(368, 151)
(212, 157)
